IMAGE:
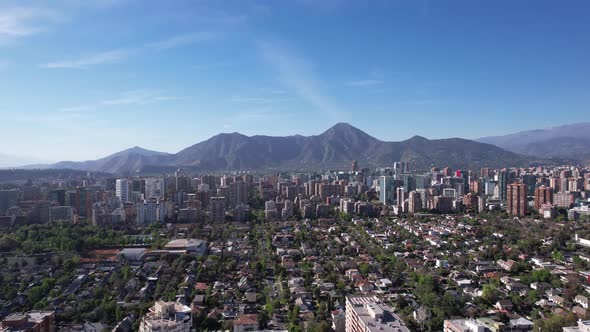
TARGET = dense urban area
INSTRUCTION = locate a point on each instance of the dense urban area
(386, 249)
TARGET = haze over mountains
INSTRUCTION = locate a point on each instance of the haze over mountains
(335, 148)
(566, 141)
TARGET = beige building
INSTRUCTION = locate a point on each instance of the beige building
(369, 314)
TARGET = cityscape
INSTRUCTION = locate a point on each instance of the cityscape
(296, 165)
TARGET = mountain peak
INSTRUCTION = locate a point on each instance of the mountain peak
(418, 138)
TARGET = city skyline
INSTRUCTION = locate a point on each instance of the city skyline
(86, 79)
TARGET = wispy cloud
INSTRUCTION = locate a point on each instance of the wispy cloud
(138, 97)
(369, 82)
(181, 40)
(75, 109)
(119, 55)
(210, 66)
(100, 58)
(296, 74)
(20, 22)
(127, 98)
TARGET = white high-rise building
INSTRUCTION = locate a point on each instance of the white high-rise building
(123, 190)
(150, 211)
(154, 188)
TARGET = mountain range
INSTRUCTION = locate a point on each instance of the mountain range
(570, 141)
(334, 148)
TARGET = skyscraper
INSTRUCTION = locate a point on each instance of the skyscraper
(502, 185)
(355, 166)
(123, 190)
(516, 199)
(386, 189)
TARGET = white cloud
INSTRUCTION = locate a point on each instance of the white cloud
(296, 74)
(118, 55)
(111, 56)
(20, 22)
(369, 82)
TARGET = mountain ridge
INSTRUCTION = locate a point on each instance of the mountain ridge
(563, 141)
(333, 148)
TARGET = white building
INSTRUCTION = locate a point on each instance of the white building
(150, 211)
(167, 316)
(123, 190)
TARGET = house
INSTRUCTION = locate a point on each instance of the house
(540, 286)
(582, 301)
(506, 265)
(246, 323)
(505, 304)
(557, 299)
(521, 324)
(250, 296)
(580, 312)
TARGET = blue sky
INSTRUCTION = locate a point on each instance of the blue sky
(80, 79)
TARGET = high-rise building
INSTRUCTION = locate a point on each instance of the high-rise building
(400, 195)
(414, 202)
(564, 199)
(400, 167)
(516, 199)
(154, 188)
(543, 195)
(287, 210)
(386, 189)
(447, 171)
(530, 181)
(270, 210)
(123, 190)
(150, 211)
(481, 203)
(217, 207)
(485, 172)
(368, 313)
(238, 193)
(470, 200)
(8, 198)
(503, 179)
(58, 196)
(355, 166)
(443, 204)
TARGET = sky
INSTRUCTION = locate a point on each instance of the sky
(81, 79)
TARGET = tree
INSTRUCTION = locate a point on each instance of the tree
(554, 323)
(490, 293)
